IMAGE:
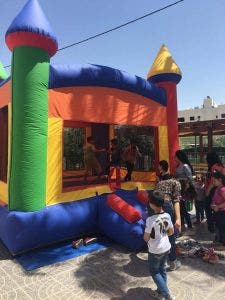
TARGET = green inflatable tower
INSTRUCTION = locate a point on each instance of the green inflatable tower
(32, 42)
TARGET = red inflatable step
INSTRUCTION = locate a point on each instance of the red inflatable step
(142, 196)
(125, 210)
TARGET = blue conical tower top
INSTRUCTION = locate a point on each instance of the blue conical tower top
(31, 28)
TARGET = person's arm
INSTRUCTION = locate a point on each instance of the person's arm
(177, 224)
(148, 229)
(187, 172)
(176, 204)
(170, 231)
(170, 228)
(209, 187)
(146, 237)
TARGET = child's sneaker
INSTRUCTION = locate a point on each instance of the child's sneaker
(161, 297)
(174, 265)
(170, 297)
(77, 243)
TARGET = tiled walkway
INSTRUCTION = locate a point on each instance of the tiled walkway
(111, 273)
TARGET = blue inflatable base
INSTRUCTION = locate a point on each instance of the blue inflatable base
(23, 231)
(57, 253)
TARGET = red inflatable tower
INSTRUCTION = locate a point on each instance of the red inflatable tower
(166, 74)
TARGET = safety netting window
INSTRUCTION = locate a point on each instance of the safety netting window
(74, 139)
(141, 139)
(3, 143)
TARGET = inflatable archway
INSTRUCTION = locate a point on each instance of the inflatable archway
(37, 102)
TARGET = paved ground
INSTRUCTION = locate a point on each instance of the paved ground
(111, 273)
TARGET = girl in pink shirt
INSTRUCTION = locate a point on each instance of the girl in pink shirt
(218, 206)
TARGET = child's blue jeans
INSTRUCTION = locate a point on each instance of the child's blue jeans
(158, 271)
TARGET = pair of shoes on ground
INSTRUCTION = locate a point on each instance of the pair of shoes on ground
(210, 256)
(174, 265)
(83, 242)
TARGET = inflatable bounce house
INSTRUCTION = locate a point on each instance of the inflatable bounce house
(41, 202)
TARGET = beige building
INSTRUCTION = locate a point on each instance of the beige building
(208, 111)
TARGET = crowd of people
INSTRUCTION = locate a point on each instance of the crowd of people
(170, 204)
(169, 207)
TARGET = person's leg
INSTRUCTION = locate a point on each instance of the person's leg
(131, 170)
(220, 224)
(118, 178)
(209, 214)
(198, 210)
(202, 208)
(187, 216)
(172, 255)
(188, 219)
(111, 172)
(162, 267)
(130, 167)
(98, 168)
(168, 208)
(127, 166)
(155, 262)
(88, 170)
(182, 212)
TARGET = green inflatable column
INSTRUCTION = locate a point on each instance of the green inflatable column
(29, 131)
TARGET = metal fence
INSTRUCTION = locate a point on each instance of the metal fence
(194, 156)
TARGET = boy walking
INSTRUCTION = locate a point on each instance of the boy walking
(158, 227)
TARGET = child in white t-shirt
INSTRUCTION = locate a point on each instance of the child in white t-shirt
(158, 227)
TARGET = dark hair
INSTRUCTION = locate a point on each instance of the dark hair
(219, 175)
(182, 156)
(164, 164)
(114, 142)
(212, 158)
(156, 198)
(89, 138)
(190, 191)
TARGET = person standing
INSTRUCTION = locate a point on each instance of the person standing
(115, 153)
(184, 168)
(218, 206)
(158, 227)
(170, 188)
(129, 156)
(164, 170)
(188, 196)
(115, 162)
(90, 160)
(214, 163)
(200, 197)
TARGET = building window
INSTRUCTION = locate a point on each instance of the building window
(192, 118)
(181, 119)
(199, 117)
(216, 117)
(222, 115)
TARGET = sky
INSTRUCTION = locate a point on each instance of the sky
(193, 31)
